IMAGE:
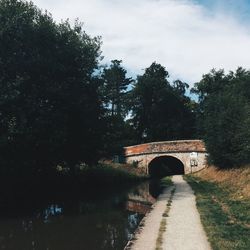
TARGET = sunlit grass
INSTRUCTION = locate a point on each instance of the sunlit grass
(226, 220)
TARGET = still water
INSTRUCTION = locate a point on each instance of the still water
(93, 222)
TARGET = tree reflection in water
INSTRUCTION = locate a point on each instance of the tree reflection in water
(103, 223)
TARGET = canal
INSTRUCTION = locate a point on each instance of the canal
(99, 219)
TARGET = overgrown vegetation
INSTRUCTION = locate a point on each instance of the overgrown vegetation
(160, 110)
(87, 181)
(224, 116)
(224, 213)
(166, 182)
(49, 101)
(235, 180)
(107, 174)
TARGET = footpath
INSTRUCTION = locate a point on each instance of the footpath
(183, 229)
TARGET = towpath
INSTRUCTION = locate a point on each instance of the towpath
(184, 230)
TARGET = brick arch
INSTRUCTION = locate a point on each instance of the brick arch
(175, 165)
(183, 150)
(179, 156)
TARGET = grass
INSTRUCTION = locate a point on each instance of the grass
(86, 180)
(108, 174)
(224, 207)
(166, 182)
(237, 180)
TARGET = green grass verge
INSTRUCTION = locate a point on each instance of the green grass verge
(166, 182)
(226, 221)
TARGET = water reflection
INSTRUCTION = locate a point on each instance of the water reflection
(140, 200)
(103, 223)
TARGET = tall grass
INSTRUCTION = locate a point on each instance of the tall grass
(226, 220)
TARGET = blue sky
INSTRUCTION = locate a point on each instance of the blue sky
(188, 37)
(238, 8)
(238, 5)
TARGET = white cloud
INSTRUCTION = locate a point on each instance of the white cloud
(186, 38)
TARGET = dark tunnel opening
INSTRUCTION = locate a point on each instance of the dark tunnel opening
(165, 166)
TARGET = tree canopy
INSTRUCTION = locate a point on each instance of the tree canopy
(225, 116)
(50, 107)
(161, 111)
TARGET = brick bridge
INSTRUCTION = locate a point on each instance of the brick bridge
(185, 156)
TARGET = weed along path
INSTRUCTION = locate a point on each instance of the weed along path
(174, 222)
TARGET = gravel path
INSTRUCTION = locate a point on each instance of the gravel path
(184, 229)
(146, 238)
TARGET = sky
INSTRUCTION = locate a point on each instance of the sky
(188, 37)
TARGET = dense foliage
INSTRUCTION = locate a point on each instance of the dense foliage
(224, 116)
(161, 111)
(49, 103)
(115, 92)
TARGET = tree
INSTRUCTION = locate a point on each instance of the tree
(224, 116)
(160, 111)
(50, 107)
(115, 96)
(115, 87)
(180, 87)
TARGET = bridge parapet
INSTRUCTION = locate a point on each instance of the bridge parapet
(166, 146)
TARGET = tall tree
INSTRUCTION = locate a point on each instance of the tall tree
(224, 116)
(50, 107)
(159, 109)
(115, 94)
(115, 87)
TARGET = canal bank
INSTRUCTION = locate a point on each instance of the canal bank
(148, 231)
